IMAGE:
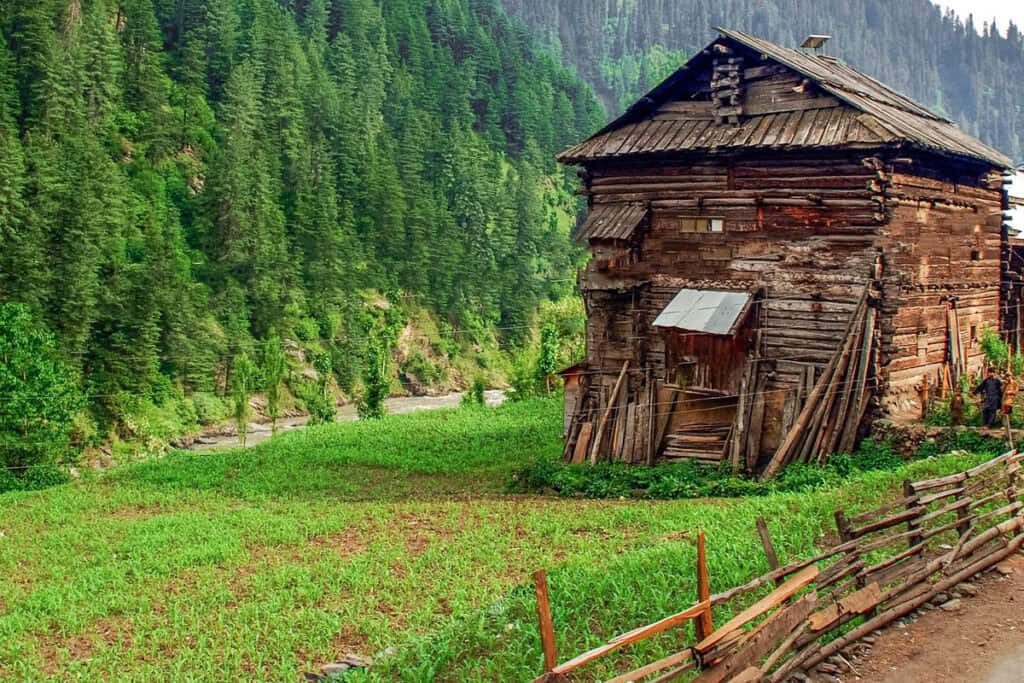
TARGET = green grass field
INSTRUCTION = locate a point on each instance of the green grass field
(393, 537)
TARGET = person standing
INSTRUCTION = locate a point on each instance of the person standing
(991, 392)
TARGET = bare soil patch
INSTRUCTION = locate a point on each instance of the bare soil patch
(981, 641)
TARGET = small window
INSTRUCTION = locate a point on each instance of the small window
(975, 255)
(701, 224)
(974, 333)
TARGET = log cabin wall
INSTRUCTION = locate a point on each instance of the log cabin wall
(800, 230)
(943, 249)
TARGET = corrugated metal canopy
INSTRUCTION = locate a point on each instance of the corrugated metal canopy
(611, 222)
(708, 311)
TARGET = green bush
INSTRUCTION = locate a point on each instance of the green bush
(39, 395)
(419, 367)
(209, 408)
(474, 396)
(692, 480)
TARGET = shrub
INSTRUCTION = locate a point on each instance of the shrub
(40, 395)
(209, 407)
(474, 396)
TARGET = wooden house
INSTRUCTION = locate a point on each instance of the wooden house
(781, 247)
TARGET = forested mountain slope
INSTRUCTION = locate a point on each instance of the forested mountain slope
(623, 46)
(182, 178)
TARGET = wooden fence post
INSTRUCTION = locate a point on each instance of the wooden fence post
(547, 628)
(769, 548)
(705, 624)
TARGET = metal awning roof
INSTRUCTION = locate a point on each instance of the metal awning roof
(708, 311)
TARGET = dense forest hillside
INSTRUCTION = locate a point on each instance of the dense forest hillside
(975, 77)
(180, 179)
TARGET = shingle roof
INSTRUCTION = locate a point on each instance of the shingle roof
(866, 114)
(611, 221)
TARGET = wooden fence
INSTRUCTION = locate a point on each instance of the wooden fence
(889, 562)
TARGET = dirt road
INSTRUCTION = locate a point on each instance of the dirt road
(979, 640)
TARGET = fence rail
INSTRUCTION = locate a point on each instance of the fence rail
(889, 562)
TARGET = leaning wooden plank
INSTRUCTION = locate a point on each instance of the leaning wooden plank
(773, 599)
(748, 675)
(607, 411)
(674, 660)
(761, 641)
(582, 443)
(862, 391)
(633, 636)
(855, 603)
(890, 521)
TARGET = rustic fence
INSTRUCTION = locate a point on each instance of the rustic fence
(889, 562)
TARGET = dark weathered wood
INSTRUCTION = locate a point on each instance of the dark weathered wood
(761, 641)
(599, 436)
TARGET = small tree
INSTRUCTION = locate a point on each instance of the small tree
(547, 361)
(39, 396)
(375, 382)
(244, 378)
(275, 366)
(321, 405)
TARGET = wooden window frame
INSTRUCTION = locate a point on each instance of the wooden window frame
(701, 225)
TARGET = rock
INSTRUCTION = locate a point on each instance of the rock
(870, 639)
(334, 669)
(1004, 569)
(969, 589)
(957, 595)
(951, 606)
(941, 598)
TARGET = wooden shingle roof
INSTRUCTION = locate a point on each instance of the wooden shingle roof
(852, 110)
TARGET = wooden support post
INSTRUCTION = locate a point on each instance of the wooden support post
(1009, 432)
(705, 624)
(599, 437)
(547, 628)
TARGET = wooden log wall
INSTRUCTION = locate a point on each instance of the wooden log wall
(942, 251)
(800, 230)
(807, 232)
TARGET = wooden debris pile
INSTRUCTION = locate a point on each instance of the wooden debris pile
(889, 562)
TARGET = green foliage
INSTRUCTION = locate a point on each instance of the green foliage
(244, 380)
(523, 379)
(317, 395)
(181, 179)
(411, 508)
(274, 367)
(474, 396)
(209, 408)
(39, 396)
(692, 480)
(376, 383)
(547, 359)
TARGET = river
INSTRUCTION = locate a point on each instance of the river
(260, 432)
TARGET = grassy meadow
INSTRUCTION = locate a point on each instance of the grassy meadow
(394, 539)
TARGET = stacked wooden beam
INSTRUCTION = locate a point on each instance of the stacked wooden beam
(727, 89)
(890, 561)
(835, 408)
(703, 442)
